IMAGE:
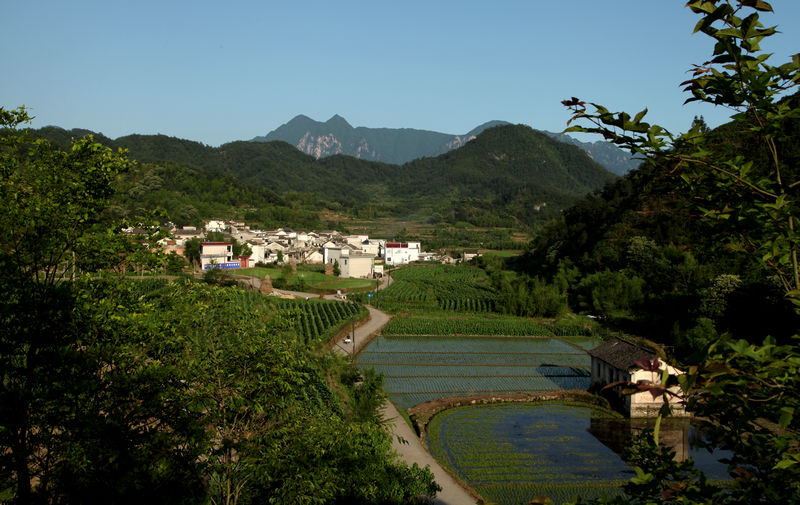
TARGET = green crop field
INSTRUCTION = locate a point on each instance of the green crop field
(438, 287)
(314, 320)
(513, 453)
(476, 324)
(317, 320)
(419, 369)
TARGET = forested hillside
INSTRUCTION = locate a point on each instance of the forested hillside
(159, 391)
(508, 176)
(638, 254)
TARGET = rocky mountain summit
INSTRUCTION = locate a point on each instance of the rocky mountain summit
(401, 145)
(388, 145)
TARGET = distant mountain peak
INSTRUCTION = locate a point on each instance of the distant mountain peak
(401, 145)
(337, 121)
(388, 145)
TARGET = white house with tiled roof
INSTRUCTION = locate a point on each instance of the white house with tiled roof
(617, 360)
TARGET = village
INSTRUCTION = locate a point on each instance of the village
(352, 255)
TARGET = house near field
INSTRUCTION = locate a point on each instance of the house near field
(352, 262)
(401, 253)
(616, 361)
(470, 254)
(219, 255)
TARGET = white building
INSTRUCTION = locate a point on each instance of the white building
(352, 263)
(215, 225)
(398, 253)
(217, 255)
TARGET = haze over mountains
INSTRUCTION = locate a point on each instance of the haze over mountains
(401, 145)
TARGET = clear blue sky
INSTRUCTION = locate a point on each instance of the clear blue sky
(215, 71)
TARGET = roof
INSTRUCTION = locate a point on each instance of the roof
(621, 354)
(216, 243)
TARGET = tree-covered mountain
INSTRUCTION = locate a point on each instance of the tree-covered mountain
(639, 254)
(401, 145)
(509, 175)
(389, 145)
(187, 182)
(614, 159)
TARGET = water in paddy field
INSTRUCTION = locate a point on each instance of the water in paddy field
(507, 450)
(419, 369)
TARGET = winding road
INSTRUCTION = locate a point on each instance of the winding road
(405, 442)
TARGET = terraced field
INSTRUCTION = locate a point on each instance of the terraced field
(513, 453)
(419, 369)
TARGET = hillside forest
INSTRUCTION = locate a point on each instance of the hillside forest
(506, 182)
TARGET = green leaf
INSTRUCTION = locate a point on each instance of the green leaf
(787, 413)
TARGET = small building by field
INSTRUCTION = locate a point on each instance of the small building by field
(401, 253)
(218, 255)
(615, 361)
(352, 263)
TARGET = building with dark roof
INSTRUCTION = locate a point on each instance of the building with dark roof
(615, 361)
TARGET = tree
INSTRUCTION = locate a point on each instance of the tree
(192, 250)
(76, 398)
(745, 178)
(753, 190)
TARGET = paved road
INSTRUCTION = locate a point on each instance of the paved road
(405, 442)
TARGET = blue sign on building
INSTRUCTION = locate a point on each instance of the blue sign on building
(224, 266)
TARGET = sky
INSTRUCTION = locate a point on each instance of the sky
(215, 72)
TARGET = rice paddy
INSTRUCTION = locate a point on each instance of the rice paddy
(419, 369)
(512, 453)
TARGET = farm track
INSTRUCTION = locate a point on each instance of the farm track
(405, 442)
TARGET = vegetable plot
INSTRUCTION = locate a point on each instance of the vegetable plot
(504, 326)
(439, 287)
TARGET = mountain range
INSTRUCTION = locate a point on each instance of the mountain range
(508, 176)
(401, 145)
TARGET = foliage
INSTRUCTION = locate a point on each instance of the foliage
(747, 186)
(755, 199)
(529, 296)
(174, 263)
(146, 390)
(76, 398)
(193, 250)
(608, 293)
